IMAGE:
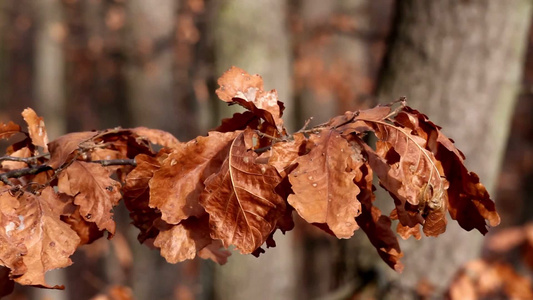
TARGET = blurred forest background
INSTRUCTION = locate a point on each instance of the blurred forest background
(95, 64)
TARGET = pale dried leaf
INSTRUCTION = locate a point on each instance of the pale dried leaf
(8, 130)
(324, 191)
(94, 191)
(62, 148)
(156, 136)
(36, 128)
(48, 241)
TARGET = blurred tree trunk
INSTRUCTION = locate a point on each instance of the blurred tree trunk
(50, 66)
(18, 58)
(151, 64)
(49, 94)
(253, 35)
(460, 63)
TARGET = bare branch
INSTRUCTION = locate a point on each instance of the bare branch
(115, 162)
(28, 160)
(23, 172)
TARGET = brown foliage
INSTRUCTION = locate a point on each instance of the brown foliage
(235, 186)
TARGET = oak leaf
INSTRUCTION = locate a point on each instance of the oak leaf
(469, 202)
(411, 174)
(36, 128)
(94, 191)
(324, 191)
(240, 199)
(181, 242)
(237, 86)
(375, 225)
(156, 136)
(283, 155)
(136, 194)
(46, 241)
(215, 252)
(62, 149)
(13, 165)
(8, 130)
(179, 181)
(239, 121)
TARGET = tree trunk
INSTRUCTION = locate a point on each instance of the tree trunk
(151, 64)
(49, 94)
(253, 35)
(460, 63)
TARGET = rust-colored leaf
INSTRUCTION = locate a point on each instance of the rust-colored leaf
(8, 130)
(136, 194)
(181, 242)
(156, 136)
(375, 225)
(480, 279)
(324, 191)
(94, 191)
(13, 165)
(36, 236)
(240, 199)
(411, 174)
(36, 128)
(178, 183)
(88, 232)
(283, 155)
(215, 252)
(237, 86)
(469, 201)
(239, 121)
(62, 148)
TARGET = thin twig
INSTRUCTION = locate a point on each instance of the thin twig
(115, 162)
(305, 124)
(27, 160)
(23, 172)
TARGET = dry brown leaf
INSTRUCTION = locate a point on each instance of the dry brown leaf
(240, 199)
(283, 155)
(136, 194)
(88, 232)
(116, 292)
(375, 225)
(12, 253)
(411, 174)
(480, 279)
(215, 252)
(324, 191)
(239, 121)
(178, 183)
(62, 148)
(13, 165)
(237, 86)
(182, 241)
(8, 130)
(47, 241)
(469, 201)
(36, 128)
(156, 136)
(94, 191)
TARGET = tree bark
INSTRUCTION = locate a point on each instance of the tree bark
(460, 63)
(151, 64)
(253, 35)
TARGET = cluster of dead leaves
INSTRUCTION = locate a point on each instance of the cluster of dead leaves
(234, 187)
(493, 276)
